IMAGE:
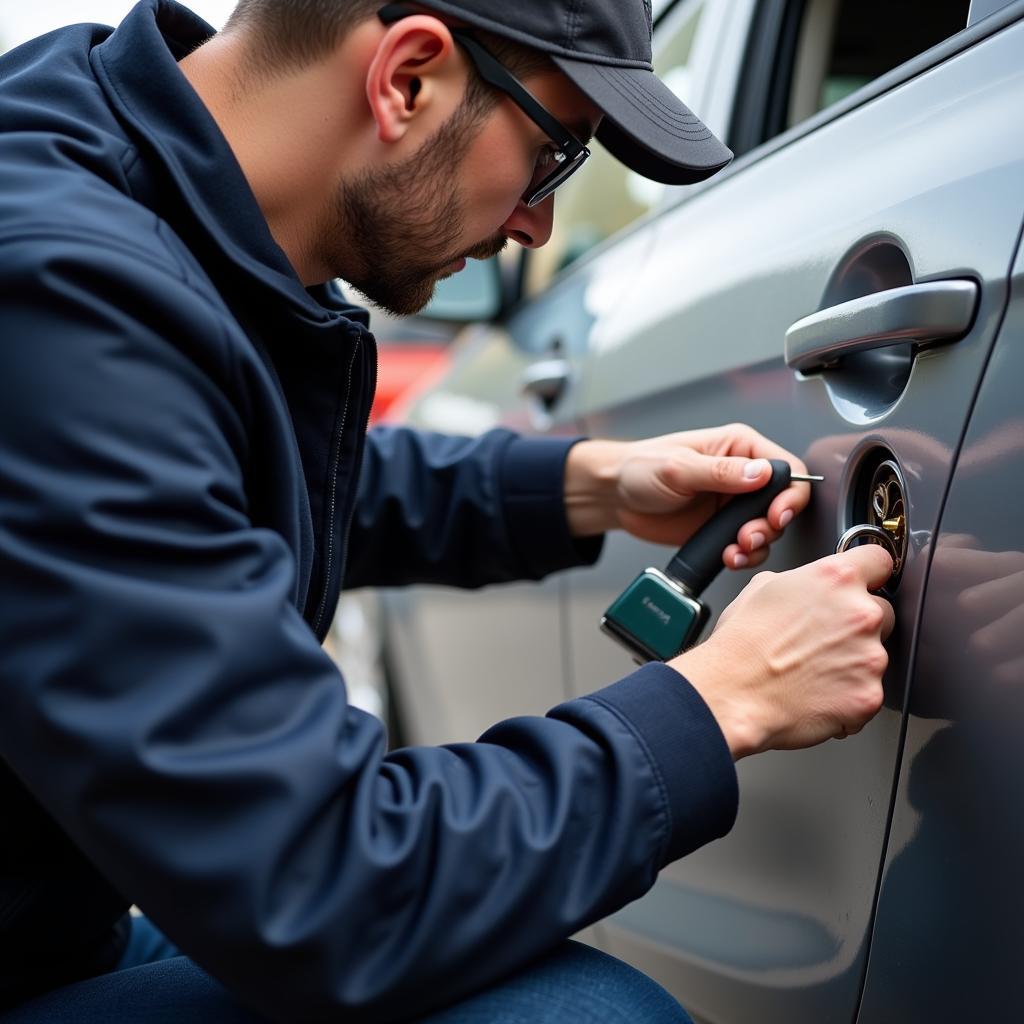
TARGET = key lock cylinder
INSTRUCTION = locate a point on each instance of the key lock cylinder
(882, 502)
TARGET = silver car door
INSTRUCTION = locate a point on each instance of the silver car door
(912, 183)
(949, 933)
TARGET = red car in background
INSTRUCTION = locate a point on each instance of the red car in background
(412, 352)
(407, 354)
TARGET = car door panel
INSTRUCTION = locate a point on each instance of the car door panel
(771, 924)
(950, 925)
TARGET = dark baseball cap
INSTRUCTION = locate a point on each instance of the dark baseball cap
(604, 47)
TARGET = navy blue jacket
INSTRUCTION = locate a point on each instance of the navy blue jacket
(183, 490)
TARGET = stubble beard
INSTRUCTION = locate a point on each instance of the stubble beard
(393, 231)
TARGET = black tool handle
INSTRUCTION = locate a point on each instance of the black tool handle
(699, 560)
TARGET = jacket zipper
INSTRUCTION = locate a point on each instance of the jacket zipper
(333, 508)
(335, 467)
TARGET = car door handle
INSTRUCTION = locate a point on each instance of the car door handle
(921, 314)
(547, 380)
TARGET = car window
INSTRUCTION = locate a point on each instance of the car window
(845, 44)
(604, 196)
(804, 56)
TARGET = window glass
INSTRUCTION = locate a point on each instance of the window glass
(844, 44)
(472, 294)
(604, 196)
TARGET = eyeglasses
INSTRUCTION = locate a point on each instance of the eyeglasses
(563, 158)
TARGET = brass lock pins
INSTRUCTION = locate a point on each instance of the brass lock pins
(885, 517)
(889, 509)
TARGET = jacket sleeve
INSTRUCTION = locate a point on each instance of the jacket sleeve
(461, 511)
(169, 708)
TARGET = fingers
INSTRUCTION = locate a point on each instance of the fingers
(872, 563)
(734, 557)
(789, 504)
(741, 440)
(756, 534)
(958, 540)
(1000, 636)
(1010, 673)
(744, 440)
(756, 537)
(694, 472)
(753, 548)
(992, 598)
(752, 545)
(888, 616)
(962, 568)
(792, 501)
(746, 470)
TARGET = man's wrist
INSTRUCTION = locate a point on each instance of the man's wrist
(720, 683)
(592, 471)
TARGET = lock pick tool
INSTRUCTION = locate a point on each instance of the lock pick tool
(661, 614)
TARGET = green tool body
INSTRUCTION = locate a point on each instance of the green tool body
(660, 614)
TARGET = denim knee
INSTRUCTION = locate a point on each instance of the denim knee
(575, 984)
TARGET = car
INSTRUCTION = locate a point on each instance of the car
(853, 287)
(412, 351)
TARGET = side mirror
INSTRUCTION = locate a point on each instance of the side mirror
(473, 294)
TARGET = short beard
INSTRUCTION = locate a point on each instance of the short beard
(393, 230)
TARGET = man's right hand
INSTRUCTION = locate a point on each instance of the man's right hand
(797, 658)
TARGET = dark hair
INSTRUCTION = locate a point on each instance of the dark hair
(290, 34)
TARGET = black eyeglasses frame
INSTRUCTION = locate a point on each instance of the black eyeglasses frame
(571, 154)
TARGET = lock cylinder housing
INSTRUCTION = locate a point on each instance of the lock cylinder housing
(879, 500)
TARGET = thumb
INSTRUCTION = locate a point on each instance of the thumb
(721, 474)
(872, 562)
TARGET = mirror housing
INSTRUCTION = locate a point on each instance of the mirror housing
(474, 294)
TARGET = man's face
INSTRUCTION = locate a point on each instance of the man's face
(396, 230)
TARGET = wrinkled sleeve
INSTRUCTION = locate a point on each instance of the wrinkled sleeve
(461, 511)
(166, 704)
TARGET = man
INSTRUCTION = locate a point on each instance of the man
(182, 423)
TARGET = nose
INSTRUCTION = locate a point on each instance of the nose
(530, 226)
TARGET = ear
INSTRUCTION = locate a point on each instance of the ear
(412, 65)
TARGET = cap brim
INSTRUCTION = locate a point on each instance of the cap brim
(646, 125)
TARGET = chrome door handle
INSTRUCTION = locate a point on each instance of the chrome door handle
(921, 314)
(547, 380)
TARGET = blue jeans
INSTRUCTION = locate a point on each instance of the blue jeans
(154, 984)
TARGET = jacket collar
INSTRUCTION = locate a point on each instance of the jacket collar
(137, 66)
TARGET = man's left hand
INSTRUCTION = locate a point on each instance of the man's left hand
(665, 488)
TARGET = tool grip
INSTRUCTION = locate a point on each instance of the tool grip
(699, 560)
